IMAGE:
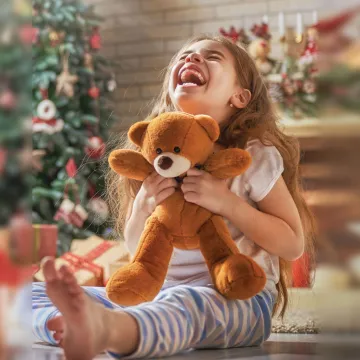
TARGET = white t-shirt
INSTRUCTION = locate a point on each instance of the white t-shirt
(189, 267)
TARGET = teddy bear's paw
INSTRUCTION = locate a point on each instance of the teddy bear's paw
(133, 285)
(238, 277)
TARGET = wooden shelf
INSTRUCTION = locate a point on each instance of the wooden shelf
(340, 126)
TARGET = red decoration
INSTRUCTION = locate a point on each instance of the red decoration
(71, 213)
(95, 39)
(71, 168)
(29, 34)
(3, 157)
(94, 92)
(234, 35)
(261, 31)
(301, 272)
(95, 148)
(335, 22)
(7, 100)
(77, 262)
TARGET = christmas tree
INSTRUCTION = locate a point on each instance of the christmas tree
(71, 117)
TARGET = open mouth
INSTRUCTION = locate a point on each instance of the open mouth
(191, 77)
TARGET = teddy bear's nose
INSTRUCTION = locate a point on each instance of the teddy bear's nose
(165, 162)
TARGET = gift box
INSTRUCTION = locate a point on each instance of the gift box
(89, 260)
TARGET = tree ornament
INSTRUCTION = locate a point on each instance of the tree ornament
(309, 86)
(7, 100)
(98, 210)
(29, 34)
(3, 158)
(56, 37)
(94, 92)
(71, 213)
(88, 62)
(95, 39)
(65, 81)
(46, 121)
(95, 148)
(111, 84)
(36, 159)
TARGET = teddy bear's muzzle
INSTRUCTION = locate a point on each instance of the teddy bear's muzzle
(165, 163)
(171, 165)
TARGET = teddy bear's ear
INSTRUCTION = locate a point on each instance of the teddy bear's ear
(209, 125)
(137, 131)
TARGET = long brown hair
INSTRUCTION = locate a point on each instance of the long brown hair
(258, 120)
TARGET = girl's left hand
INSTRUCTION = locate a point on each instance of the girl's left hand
(203, 189)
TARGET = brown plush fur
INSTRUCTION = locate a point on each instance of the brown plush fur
(176, 222)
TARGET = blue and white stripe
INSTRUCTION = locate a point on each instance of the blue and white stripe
(180, 318)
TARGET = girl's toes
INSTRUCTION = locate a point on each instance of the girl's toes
(49, 270)
(58, 336)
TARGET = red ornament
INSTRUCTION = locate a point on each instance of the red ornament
(71, 168)
(29, 34)
(95, 39)
(94, 92)
(7, 100)
(261, 31)
(95, 148)
(3, 157)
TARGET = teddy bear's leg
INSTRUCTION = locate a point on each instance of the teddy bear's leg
(142, 279)
(236, 276)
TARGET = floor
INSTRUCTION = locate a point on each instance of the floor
(278, 347)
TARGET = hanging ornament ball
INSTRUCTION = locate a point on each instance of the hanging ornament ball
(99, 209)
(111, 85)
(7, 100)
(94, 92)
(95, 148)
(46, 110)
(54, 36)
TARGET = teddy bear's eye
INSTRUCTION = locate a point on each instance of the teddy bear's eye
(176, 149)
(158, 151)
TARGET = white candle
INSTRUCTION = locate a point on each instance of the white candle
(281, 24)
(265, 19)
(315, 17)
(299, 24)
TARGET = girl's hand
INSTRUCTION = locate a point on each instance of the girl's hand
(154, 190)
(203, 189)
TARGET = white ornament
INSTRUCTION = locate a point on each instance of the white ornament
(100, 210)
(111, 85)
(46, 110)
(48, 128)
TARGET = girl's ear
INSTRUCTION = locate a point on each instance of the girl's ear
(241, 98)
(209, 125)
(137, 131)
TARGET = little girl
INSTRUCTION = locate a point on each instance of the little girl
(263, 208)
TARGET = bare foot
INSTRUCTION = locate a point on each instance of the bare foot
(81, 330)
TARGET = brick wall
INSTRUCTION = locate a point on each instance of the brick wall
(144, 34)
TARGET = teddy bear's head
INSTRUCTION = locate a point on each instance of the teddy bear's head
(175, 142)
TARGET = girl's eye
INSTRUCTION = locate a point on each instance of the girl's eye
(183, 57)
(176, 149)
(158, 151)
(212, 57)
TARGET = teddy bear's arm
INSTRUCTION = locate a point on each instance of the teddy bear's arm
(228, 163)
(131, 164)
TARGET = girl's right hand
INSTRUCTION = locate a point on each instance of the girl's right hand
(154, 190)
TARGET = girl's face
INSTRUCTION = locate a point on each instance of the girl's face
(203, 80)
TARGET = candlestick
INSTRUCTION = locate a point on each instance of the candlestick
(299, 24)
(315, 17)
(281, 24)
(265, 19)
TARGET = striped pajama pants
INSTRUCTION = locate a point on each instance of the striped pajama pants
(180, 318)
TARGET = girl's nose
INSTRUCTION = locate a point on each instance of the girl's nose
(195, 58)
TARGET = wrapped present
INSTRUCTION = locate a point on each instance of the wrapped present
(29, 243)
(89, 260)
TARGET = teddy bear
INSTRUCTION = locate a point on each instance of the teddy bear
(171, 144)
